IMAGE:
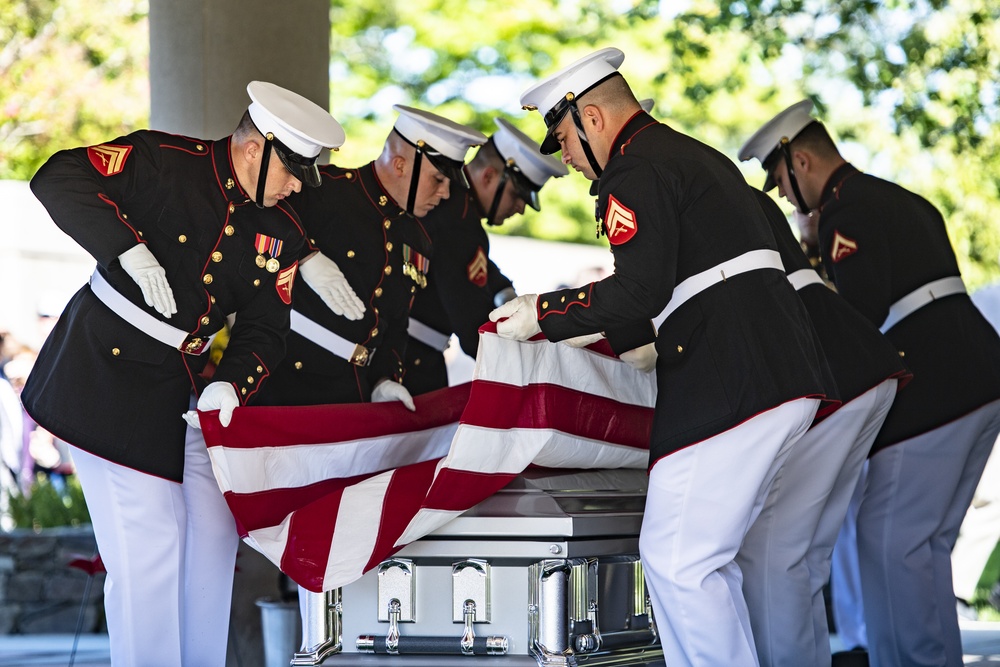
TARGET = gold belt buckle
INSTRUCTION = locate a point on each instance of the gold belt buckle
(194, 345)
(360, 356)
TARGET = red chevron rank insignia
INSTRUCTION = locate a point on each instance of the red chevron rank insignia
(284, 283)
(842, 247)
(620, 221)
(108, 159)
(477, 268)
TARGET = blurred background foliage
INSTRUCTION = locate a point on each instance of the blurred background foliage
(909, 87)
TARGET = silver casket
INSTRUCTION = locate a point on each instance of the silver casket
(544, 572)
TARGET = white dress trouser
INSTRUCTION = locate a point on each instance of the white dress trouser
(700, 502)
(845, 575)
(785, 557)
(917, 494)
(170, 553)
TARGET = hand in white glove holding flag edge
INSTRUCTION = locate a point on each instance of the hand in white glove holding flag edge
(326, 279)
(219, 396)
(585, 340)
(388, 390)
(641, 358)
(140, 264)
(522, 318)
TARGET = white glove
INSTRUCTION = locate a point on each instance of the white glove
(522, 318)
(326, 279)
(641, 358)
(387, 390)
(503, 296)
(584, 341)
(147, 273)
(217, 396)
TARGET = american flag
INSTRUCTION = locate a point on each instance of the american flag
(328, 492)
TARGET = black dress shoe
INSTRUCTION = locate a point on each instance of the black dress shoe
(856, 657)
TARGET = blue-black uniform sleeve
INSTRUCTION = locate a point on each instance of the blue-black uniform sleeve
(87, 192)
(642, 227)
(855, 252)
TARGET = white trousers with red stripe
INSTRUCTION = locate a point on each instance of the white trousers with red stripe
(785, 558)
(917, 493)
(170, 553)
(700, 504)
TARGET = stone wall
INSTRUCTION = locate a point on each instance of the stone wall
(39, 591)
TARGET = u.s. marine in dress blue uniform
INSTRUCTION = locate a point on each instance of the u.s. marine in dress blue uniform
(108, 388)
(186, 234)
(738, 373)
(786, 555)
(383, 253)
(887, 251)
(460, 291)
(504, 177)
(367, 221)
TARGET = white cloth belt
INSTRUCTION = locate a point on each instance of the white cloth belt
(329, 341)
(699, 282)
(429, 336)
(803, 277)
(146, 323)
(920, 297)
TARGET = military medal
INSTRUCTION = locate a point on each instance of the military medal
(271, 246)
(415, 265)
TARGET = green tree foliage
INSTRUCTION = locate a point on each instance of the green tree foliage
(908, 87)
(73, 72)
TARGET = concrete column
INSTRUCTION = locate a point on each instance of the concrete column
(202, 54)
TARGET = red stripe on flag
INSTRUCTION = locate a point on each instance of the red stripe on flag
(310, 533)
(556, 407)
(269, 508)
(403, 498)
(458, 490)
(317, 424)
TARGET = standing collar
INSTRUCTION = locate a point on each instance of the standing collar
(225, 174)
(832, 187)
(380, 199)
(638, 122)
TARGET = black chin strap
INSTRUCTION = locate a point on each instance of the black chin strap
(411, 198)
(584, 143)
(262, 176)
(793, 183)
(491, 217)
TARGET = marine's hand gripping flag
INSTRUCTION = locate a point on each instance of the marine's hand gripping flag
(327, 492)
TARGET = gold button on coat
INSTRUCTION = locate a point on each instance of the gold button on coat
(229, 231)
(205, 320)
(388, 270)
(115, 351)
(378, 292)
(182, 238)
(350, 253)
(216, 256)
(298, 365)
(207, 279)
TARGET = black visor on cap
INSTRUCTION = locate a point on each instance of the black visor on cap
(450, 168)
(302, 168)
(769, 164)
(524, 188)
